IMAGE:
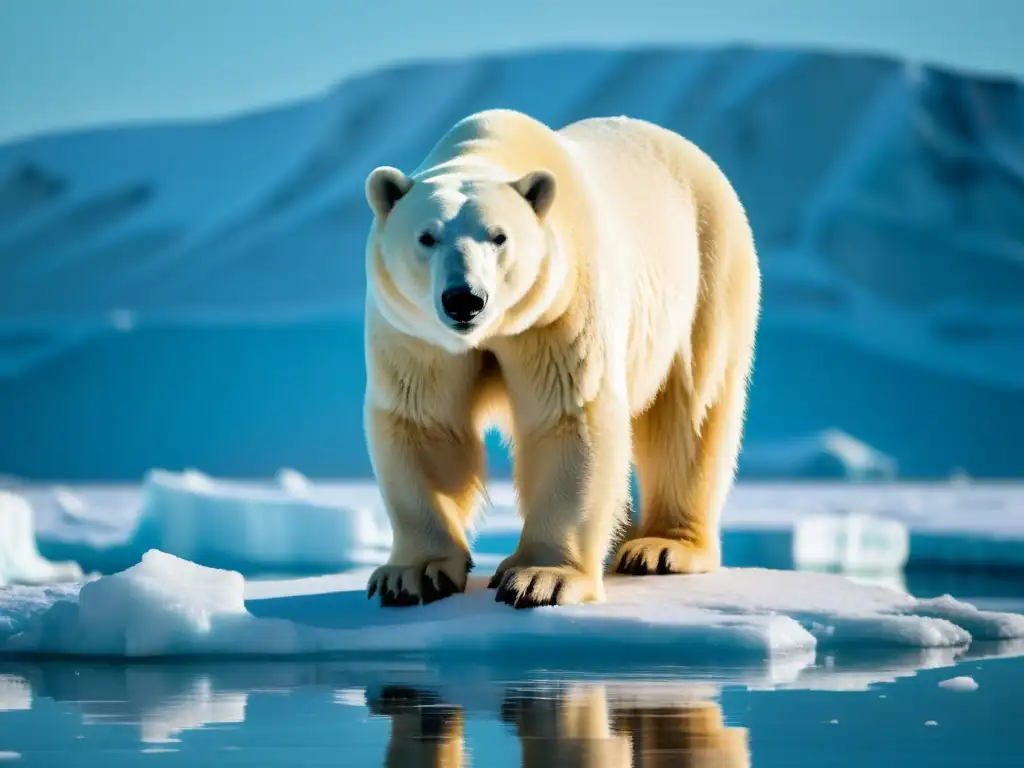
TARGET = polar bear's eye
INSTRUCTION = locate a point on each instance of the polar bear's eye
(498, 237)
(427, 240)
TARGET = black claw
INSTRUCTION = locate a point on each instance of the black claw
(401, 599)
(509, 595)
(526, 596)
(446, 585)
(495, 581)
(663, 567)
(530, 601)
(499, 584)
(557, 593)
(430, 591)
(531, 585)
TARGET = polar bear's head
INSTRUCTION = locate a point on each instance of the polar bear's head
(451, 256)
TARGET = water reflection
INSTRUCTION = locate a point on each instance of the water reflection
(601, 725)
(159, 702)
(413, 712)
(585, 725)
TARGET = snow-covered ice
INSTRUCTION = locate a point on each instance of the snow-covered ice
(961, 684)
(20, 560)
(166, 606)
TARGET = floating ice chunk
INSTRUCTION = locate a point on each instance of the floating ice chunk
(195, 480)
(15, 694)
(983, 625)
(855, 542)
(980, 526)
(69, 503)
(20, 561)
(961, 684)
(293, 482)
(259, 527)
(166, 606)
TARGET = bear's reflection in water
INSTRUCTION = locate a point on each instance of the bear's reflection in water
(586, 725)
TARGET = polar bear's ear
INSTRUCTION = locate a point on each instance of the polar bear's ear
(385, 186)
(538, 188)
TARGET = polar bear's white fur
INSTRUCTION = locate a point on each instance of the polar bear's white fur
(595, 291)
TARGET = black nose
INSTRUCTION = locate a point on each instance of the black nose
(461, 304)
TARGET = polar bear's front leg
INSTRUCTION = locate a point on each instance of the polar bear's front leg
(430, 476)
(572, 475)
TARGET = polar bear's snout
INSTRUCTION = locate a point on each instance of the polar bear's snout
(462, 303)
(463, 279)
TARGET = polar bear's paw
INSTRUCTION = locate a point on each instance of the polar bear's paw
(400, 586)
(533, 586)
(653, 555)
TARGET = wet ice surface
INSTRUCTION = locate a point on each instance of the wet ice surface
(842, 711)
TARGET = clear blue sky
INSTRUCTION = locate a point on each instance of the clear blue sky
(71, 64)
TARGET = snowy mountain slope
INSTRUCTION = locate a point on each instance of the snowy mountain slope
(888, 203)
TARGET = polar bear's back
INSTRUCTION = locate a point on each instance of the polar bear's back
(682, 259)
(633, 159)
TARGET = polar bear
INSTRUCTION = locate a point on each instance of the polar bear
(593, 291)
